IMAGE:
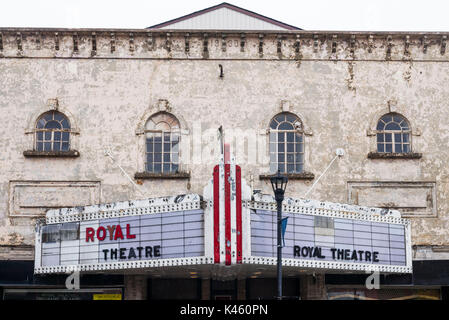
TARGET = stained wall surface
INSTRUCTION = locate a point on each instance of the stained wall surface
(339, 85)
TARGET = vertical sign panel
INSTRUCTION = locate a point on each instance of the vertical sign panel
(227, 214)
(238, 191)
(216, 214)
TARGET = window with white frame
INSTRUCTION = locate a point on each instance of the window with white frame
(393, 134)
(52, 132)
(286, 144)
(162, 133)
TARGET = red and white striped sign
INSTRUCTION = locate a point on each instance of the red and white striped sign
(227, 213)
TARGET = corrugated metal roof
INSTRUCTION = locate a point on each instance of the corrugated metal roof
(224, 16)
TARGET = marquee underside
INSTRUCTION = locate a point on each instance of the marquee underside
(216, 272)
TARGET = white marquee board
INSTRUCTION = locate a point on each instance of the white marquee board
(333, 236)
(130, 235)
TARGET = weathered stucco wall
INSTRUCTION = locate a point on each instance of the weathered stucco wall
(109, 95)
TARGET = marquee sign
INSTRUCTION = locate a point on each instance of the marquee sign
(333, 236)
(122, 235)
(229, 226)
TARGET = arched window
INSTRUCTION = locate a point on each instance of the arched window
(52, 132)
(393, 134)
(162, 132)
(286, 144)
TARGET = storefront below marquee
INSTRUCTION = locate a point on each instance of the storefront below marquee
(18, 282)
(428, 282)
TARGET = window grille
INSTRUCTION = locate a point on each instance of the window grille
(162, 132)
(52, 132)
(393, 134)
(286, 144)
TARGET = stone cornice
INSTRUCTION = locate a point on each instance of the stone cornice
(211, 31)
(222, 44)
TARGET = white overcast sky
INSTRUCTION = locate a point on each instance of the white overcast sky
(353, 15)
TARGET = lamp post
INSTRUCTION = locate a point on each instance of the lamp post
(279, 183)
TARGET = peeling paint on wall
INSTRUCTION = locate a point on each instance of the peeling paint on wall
(110, 93)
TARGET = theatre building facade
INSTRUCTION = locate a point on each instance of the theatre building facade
(136, 163)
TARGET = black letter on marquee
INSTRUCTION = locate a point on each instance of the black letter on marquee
(375, 259)
(296, 251)
(113, 254)
(140, 251)
(131, 254)
(148, 252)
(367, 256)
(157, 251)
(317, 253)
(122, 253)
(305, 251)
(354, 255)
(333, 253)
(310, 252)
(340, 254)
(360, 255)
(105, 254)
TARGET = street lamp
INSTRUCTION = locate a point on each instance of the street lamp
(279, 183)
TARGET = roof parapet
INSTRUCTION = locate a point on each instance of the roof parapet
(219, 44)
